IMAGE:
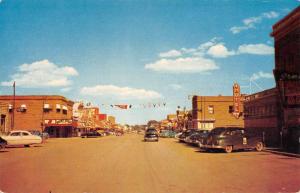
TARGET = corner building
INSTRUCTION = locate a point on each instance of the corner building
(215, 111)
(286, 33)
(49, 113)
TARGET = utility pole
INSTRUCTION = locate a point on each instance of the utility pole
(13, 108)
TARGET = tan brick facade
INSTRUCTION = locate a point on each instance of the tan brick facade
(50, 113)
(214, 111)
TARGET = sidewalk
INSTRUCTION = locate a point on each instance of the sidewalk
(281, 152)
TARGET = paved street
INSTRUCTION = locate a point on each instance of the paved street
(127, 164)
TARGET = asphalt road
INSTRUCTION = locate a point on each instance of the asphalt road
(127, 164)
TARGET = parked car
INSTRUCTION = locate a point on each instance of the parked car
(151, 134)
(19, 137)
(185, 134)
(231, 138)
(167, 133)
(90, 134)
(197, 137)
(3, 143)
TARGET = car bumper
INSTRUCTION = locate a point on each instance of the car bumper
(210, 146)
(151, 139)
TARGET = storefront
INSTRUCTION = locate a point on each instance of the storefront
(60, 128)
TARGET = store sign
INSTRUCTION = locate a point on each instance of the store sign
(58, 121)
(236, 100)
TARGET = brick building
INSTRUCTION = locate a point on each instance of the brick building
(276, 112)
(49, 113)
(261, 114)
(215, 111)
(286, 33)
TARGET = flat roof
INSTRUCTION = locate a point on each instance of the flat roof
(34, 97)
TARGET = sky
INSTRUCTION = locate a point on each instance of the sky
(152, 55)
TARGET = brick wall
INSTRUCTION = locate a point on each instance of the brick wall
(215, 109)
(33, 116)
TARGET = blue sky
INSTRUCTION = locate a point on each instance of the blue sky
(137, 52)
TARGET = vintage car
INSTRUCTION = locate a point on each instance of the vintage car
(19, 137)
(197, 137)
(151, 134)
(3, 143)
(185, 134)
(90, 134)
(167, 134)
(231, 138)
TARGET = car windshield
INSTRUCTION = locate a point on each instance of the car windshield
(217, 131)
(151, 131)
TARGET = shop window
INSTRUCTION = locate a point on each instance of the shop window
(47, 108)
(58, 108)
(23, 108)
(3, 120)
(211, 109)
(230, 109)
(10, 108)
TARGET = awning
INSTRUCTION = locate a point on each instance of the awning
(65, 108)
(46, 106)
(58, 106)
(23, 106)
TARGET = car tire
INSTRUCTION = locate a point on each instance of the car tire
(228, 148)
(259, 146)
(2, 146)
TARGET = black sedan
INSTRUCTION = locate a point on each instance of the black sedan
(231, 138)
(90, 134)
(151, 135)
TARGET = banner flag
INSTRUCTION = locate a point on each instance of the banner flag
(122, 106)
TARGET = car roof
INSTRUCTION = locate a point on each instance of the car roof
(229, 128)
(14, 131)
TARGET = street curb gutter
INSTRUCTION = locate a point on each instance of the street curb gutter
(282, 153)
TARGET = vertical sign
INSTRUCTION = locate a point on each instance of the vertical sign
(236, 100)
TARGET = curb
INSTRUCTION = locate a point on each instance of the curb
(282, 153)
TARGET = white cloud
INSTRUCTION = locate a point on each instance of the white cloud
(259, 49)
(183, 65)
(219, 51)
(42, 74)
(260, 75)
(188, 50)
(250, 22)
(170, 54)
(175, 86)
(271, 14)
(119, 92)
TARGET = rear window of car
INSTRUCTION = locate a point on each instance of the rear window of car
(24, 133)
(151, 130)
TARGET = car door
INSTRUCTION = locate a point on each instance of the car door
(237, 139)
(15, 138)
(27, 138)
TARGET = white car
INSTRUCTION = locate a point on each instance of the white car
(19, 137)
